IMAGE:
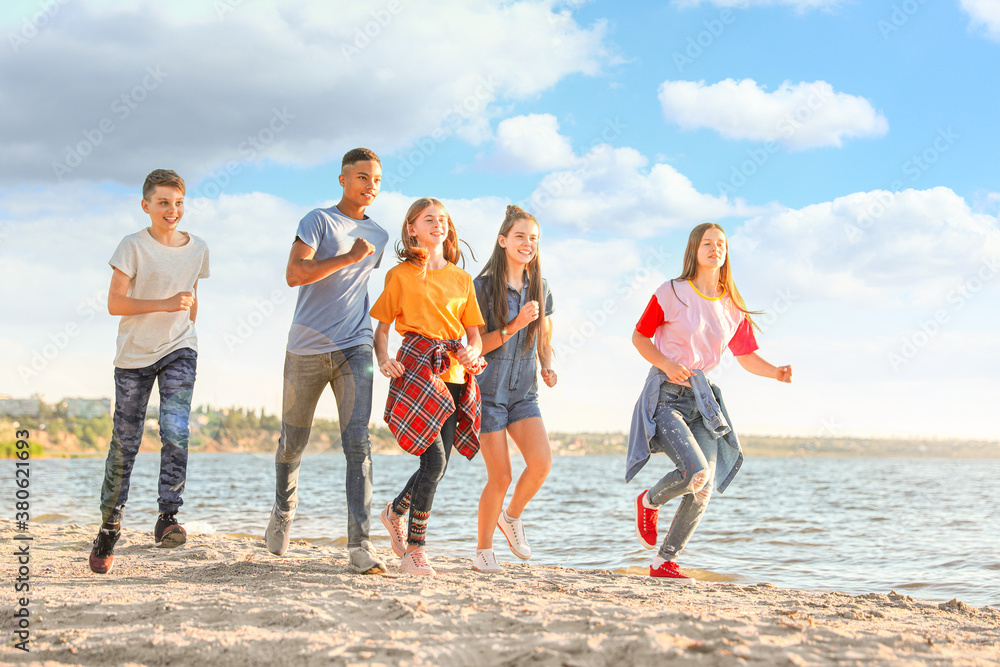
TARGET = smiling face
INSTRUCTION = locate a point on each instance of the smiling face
(165, 207)
(712, 249)
(361, 182)
(430, 228)
(521, 242)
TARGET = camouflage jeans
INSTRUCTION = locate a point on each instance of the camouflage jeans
(174, 375)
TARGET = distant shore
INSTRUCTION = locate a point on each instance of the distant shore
(223, 600)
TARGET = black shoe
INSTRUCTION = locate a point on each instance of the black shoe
(168, 533)
(102, 556)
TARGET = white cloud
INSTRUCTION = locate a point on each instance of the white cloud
(297, 83)
(799, 116)
(611, 189)
(800, 5)
(985, 14)
(914, 247)
(532, 143)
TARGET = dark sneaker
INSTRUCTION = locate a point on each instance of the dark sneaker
(168, 533)
(670, 570)
(102, 556)
(645, 522)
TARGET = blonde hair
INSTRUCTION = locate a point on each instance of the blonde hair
(726, 282)
(407, 248)
(496, 272)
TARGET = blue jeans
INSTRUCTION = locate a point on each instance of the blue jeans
(681, 434)
(417, 496)
(349, 374)
(174, 374)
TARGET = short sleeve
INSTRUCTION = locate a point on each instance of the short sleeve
(386, 307)
(124, 258)
(743, 341)
(310, 230)
(651, 318)
(472, 316)
(547, 296)
(378, 262)
(480, 285)
(204, 272)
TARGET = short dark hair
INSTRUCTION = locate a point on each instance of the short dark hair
(161, 177)
(359, 155)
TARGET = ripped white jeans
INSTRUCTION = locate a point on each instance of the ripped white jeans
(682, 436)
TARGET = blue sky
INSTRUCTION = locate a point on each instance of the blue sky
(849, 149)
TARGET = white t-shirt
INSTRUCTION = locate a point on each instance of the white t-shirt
(157, 272)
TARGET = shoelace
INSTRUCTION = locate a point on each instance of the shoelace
(397, 526)
(419, 558)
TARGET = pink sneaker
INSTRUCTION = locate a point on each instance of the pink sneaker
(645, 522)
(669, 570)
(415, 562)
(397, 531)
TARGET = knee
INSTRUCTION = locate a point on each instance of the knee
(540, 468)
(499, 479)
(699, 480)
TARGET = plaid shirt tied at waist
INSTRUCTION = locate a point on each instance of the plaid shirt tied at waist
(419, 402)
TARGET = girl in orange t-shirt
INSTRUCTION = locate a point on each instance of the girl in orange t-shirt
(434, 401)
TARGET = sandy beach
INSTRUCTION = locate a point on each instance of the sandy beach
(223, 600)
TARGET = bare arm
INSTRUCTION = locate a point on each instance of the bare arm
(676, 373)
(302, 269)
(757, 365)
(386, 364)
(494, 339)
(120, 304)
(549, 376)
(468, 354)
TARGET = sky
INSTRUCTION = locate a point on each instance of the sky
(848, 149)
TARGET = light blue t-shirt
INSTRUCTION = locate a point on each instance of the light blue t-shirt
(332, 313)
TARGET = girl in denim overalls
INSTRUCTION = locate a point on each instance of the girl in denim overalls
(690, 320)
(516, 302)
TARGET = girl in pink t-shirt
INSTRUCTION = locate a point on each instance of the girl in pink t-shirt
(685, 328)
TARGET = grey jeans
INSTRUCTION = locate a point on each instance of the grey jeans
(349, 374)
(681, 434)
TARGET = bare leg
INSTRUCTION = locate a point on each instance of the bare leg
(530, 437)
(493, 447)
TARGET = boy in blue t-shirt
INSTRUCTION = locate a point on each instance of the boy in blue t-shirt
(154, 289)
(330, 343)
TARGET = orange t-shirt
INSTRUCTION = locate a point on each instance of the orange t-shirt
(437, 304)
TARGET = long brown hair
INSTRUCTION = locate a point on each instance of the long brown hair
(726, 282)
(407, 248)
(496, 271)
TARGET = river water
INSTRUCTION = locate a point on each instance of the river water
(929, 528)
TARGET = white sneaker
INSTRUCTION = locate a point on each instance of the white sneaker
(513, 530)
(276, 537)
(397, 531)
(485, 561)
(415, 562)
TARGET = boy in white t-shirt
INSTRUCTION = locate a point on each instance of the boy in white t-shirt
(154, 289)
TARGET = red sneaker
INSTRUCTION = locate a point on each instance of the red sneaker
(645, 522)
(669, 570)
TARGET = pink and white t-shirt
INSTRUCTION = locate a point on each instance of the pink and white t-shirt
(696, 334)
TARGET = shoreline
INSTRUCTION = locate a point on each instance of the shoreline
(226, 600)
